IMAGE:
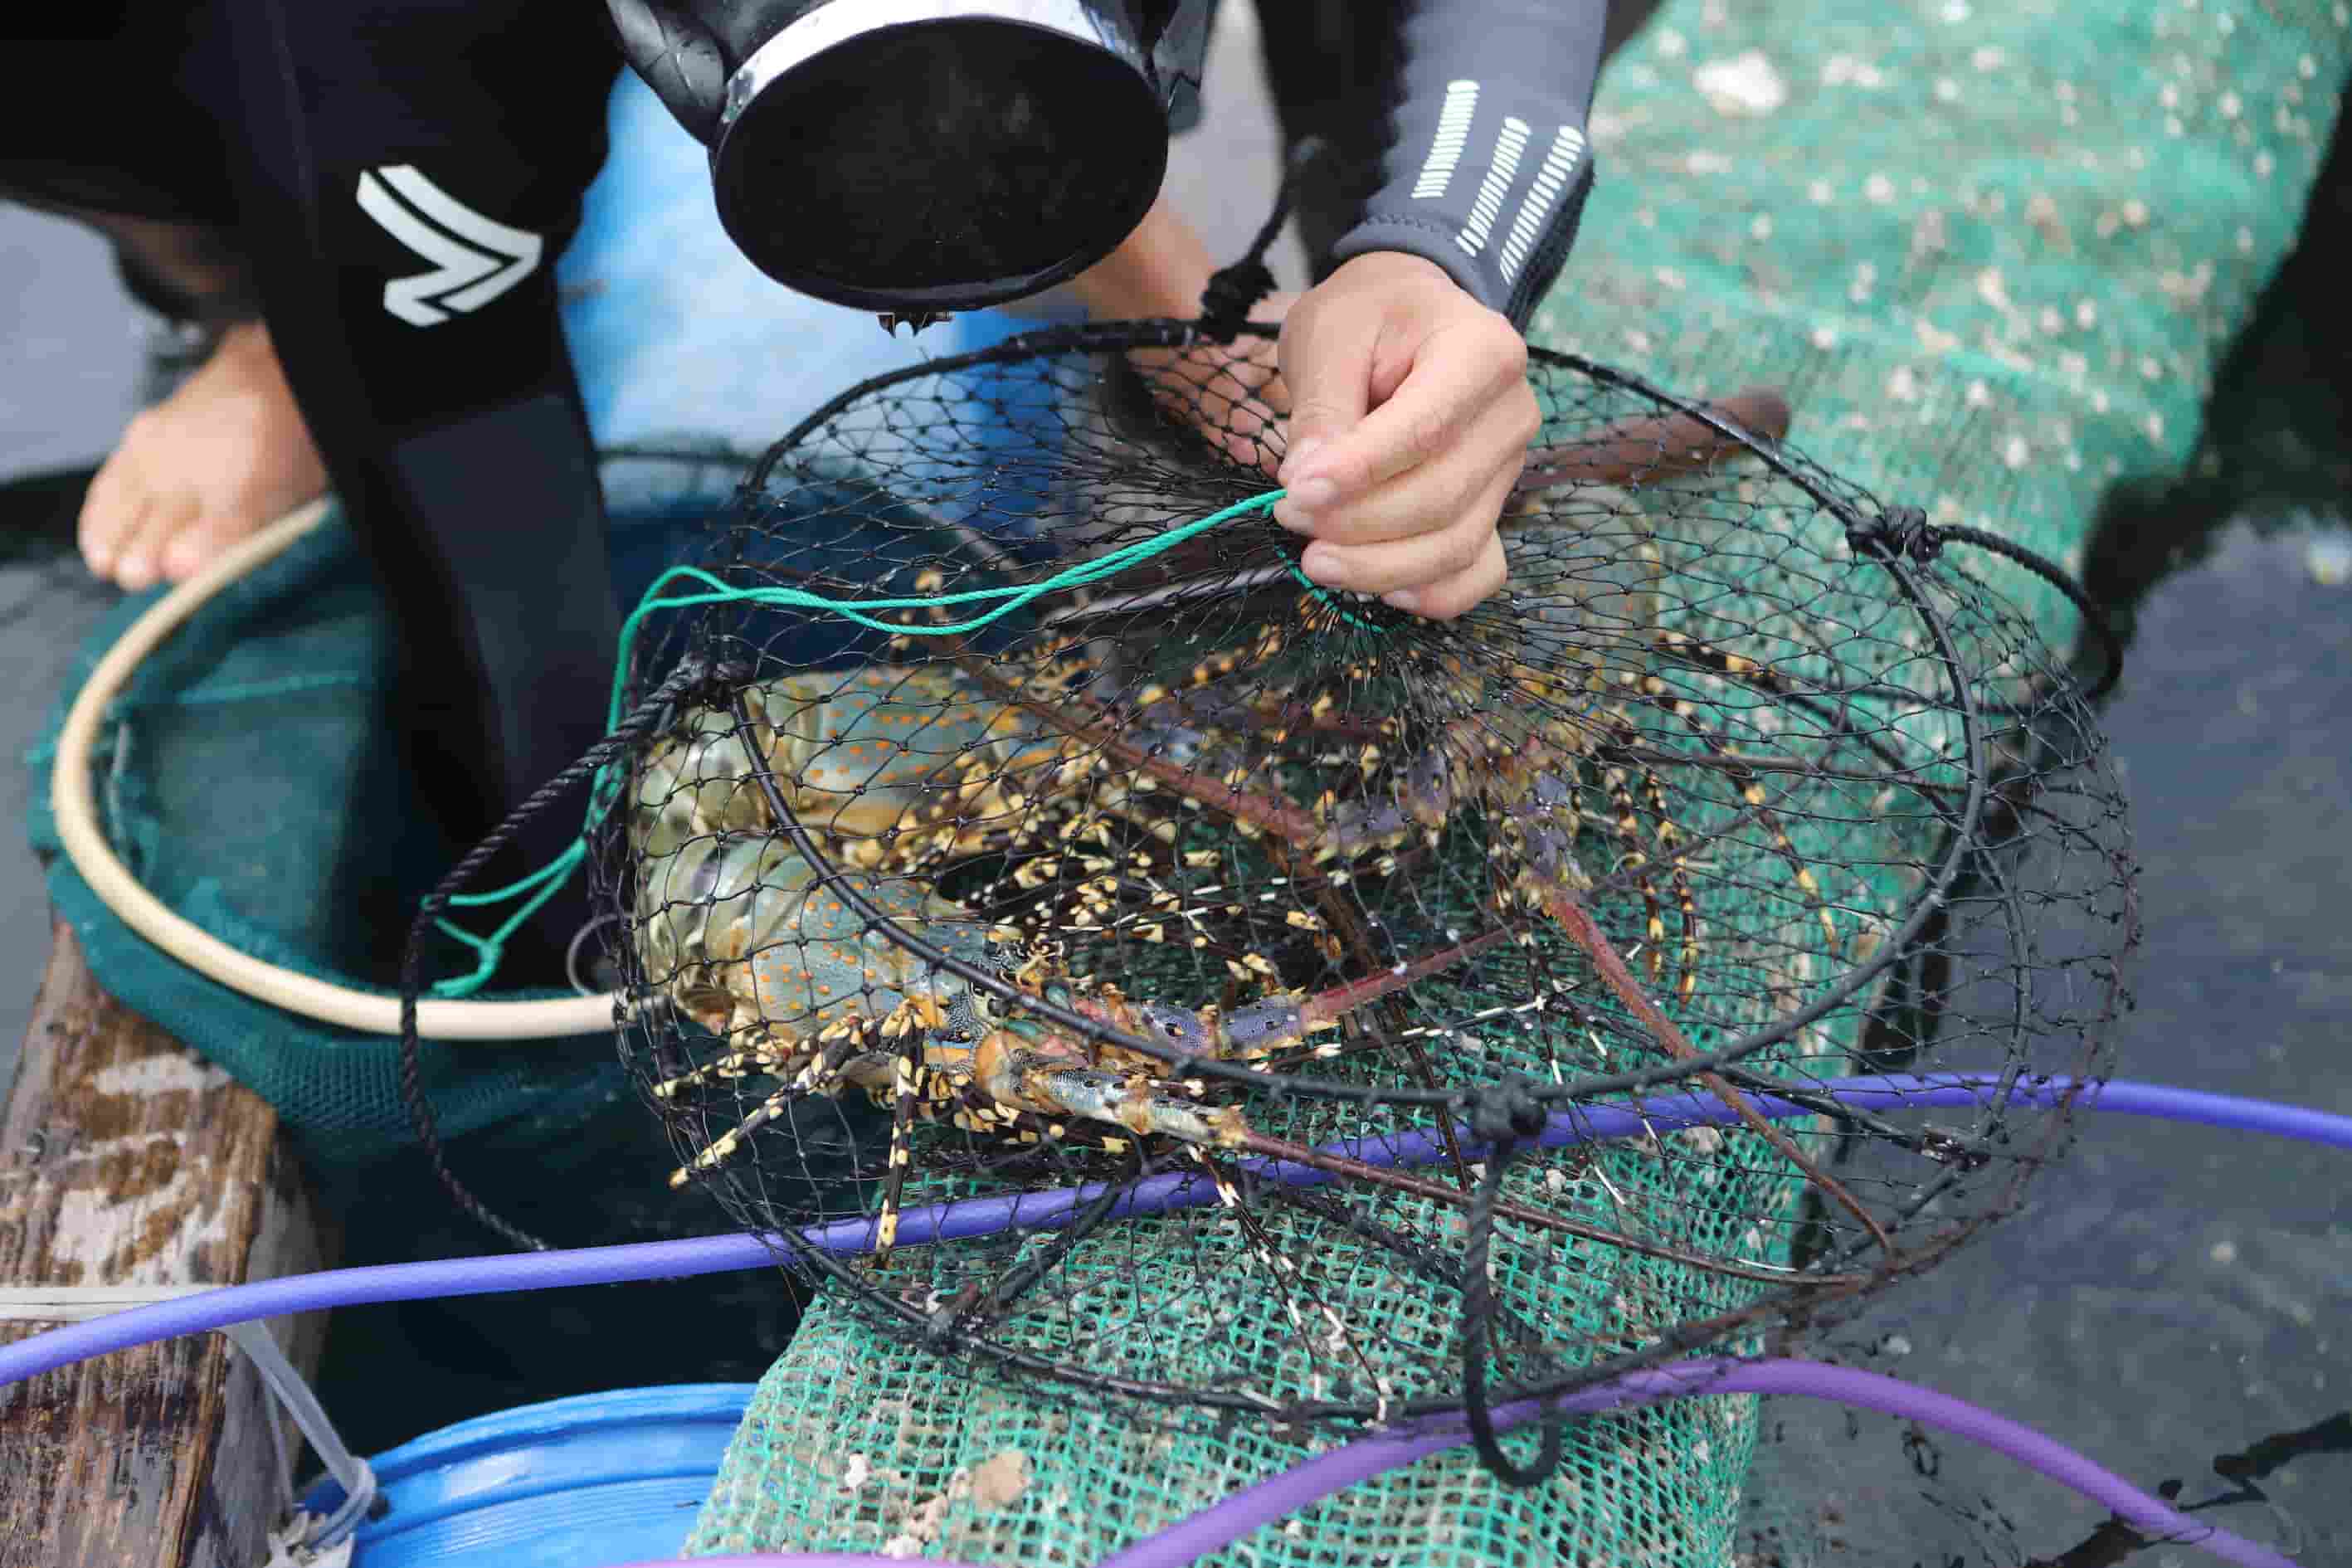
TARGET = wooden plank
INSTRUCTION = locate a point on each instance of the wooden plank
(125, 1159)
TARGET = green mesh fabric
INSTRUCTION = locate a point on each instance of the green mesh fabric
(247, 777)
(894, 1456)
(1992, 252)
(857, 1442)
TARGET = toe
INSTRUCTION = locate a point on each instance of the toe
(139, 563)
(109, 514)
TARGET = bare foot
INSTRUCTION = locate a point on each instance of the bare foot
(224, 454)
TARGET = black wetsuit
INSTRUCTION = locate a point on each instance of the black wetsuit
(401, 175)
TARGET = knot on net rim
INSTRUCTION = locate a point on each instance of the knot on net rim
(1900, 530)
(1506, 1114)
(1225, 303)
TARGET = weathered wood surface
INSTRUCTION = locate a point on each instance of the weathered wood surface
(127, 1160)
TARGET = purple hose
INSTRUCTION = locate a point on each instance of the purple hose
(1276, 1498)
(218, 1309)
(1222, 1523)
(2116, 1097)
(1237, 1516)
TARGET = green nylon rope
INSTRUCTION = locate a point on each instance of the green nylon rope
(542, 884)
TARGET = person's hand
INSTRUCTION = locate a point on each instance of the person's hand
(1409, 415)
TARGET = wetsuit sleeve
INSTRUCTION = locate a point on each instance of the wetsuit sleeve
(1488, 160)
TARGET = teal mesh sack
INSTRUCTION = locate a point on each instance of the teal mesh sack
(1992, 253)
(247, 778)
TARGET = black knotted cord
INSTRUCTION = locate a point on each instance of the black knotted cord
(639, 721)
(1231, 291)
(1501, 1118)
(1905, 532)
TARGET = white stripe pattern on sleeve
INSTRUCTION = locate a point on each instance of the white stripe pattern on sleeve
(1445, 148)
(1508, 143)
(1566, 148)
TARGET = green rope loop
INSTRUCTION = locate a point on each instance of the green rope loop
(542, 884)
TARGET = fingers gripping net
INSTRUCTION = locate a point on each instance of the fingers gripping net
(1190, 989)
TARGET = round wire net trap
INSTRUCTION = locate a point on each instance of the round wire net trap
(1064, 930)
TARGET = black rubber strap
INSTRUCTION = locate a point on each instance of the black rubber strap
(430, 366)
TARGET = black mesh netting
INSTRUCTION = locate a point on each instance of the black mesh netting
(1196, 986)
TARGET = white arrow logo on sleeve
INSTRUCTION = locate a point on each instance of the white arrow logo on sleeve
(475, 258)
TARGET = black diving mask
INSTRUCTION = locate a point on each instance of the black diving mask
(916, 157)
